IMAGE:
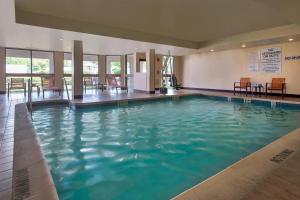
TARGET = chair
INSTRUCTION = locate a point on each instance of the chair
(244, 83)
(174, 83)
(113, 83)
(48, 84)
(88, 81)
(16, 83)
(277, 84)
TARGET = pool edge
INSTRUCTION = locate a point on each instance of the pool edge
(241, 179)
(31, 174)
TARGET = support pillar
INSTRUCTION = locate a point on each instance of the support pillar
(177, 67)
(150, 60)
(102, 68)
(77, 70)
(123, 70)
(59, 69)
(2, 71)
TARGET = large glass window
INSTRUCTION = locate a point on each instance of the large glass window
(18, 64)
(18, 61)
(42, 62)
(90, 64)
(113, 64)
(68, 63)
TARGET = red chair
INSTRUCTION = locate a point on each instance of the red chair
(278, 84)
(48, 84)
(114, 83)
(244, 83)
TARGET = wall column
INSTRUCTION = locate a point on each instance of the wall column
(59, 69)
(178, 68)
(158, 66)
(123, 70)
(77, 70)
(150, 60)
(102, 68)
(2, 71)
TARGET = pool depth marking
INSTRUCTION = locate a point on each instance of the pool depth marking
(282, 156)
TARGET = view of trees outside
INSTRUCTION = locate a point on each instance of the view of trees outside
(40, 66)
(115, 67)
(90, 67)
(67, 66)
(17, 65)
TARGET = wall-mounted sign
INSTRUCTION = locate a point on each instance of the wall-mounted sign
(254, 59)
(291, 58)
(270, 60)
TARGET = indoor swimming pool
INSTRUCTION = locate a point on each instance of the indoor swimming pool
(153, 149)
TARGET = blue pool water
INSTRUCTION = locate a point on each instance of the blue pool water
(152, 150)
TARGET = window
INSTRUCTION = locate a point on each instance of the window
(18, 61)
(143, 65)
(42, 62)
(18, 64)
(90, 64)
(67, 63)
(113, 65)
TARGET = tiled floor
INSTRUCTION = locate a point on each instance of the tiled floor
(7, 107)
(6, 146)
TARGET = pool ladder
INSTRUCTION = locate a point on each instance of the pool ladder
(30, 96)
(247, 100)
(66, 86)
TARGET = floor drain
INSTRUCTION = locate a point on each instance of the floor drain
(22, 189)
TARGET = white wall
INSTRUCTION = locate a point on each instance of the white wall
(219, 70)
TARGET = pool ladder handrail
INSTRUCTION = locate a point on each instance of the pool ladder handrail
(66, 86)
(30, 96)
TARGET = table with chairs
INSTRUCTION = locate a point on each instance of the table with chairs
(256, 88)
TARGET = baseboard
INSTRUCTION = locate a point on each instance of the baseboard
(145, 92)
(78, 96)
(206, 89)
(2, 92)
(231, 91)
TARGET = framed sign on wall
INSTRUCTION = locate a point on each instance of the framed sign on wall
(253, 61)
(270, 60)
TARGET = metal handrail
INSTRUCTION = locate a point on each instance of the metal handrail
(30, 96)
(66, 86)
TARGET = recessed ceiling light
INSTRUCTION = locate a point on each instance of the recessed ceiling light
(291, 39)
(212, 50)
(61, 39)
(244, 46)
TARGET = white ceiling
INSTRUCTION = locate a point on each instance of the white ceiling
(217, 24)
(33, 37)
(184, 23)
